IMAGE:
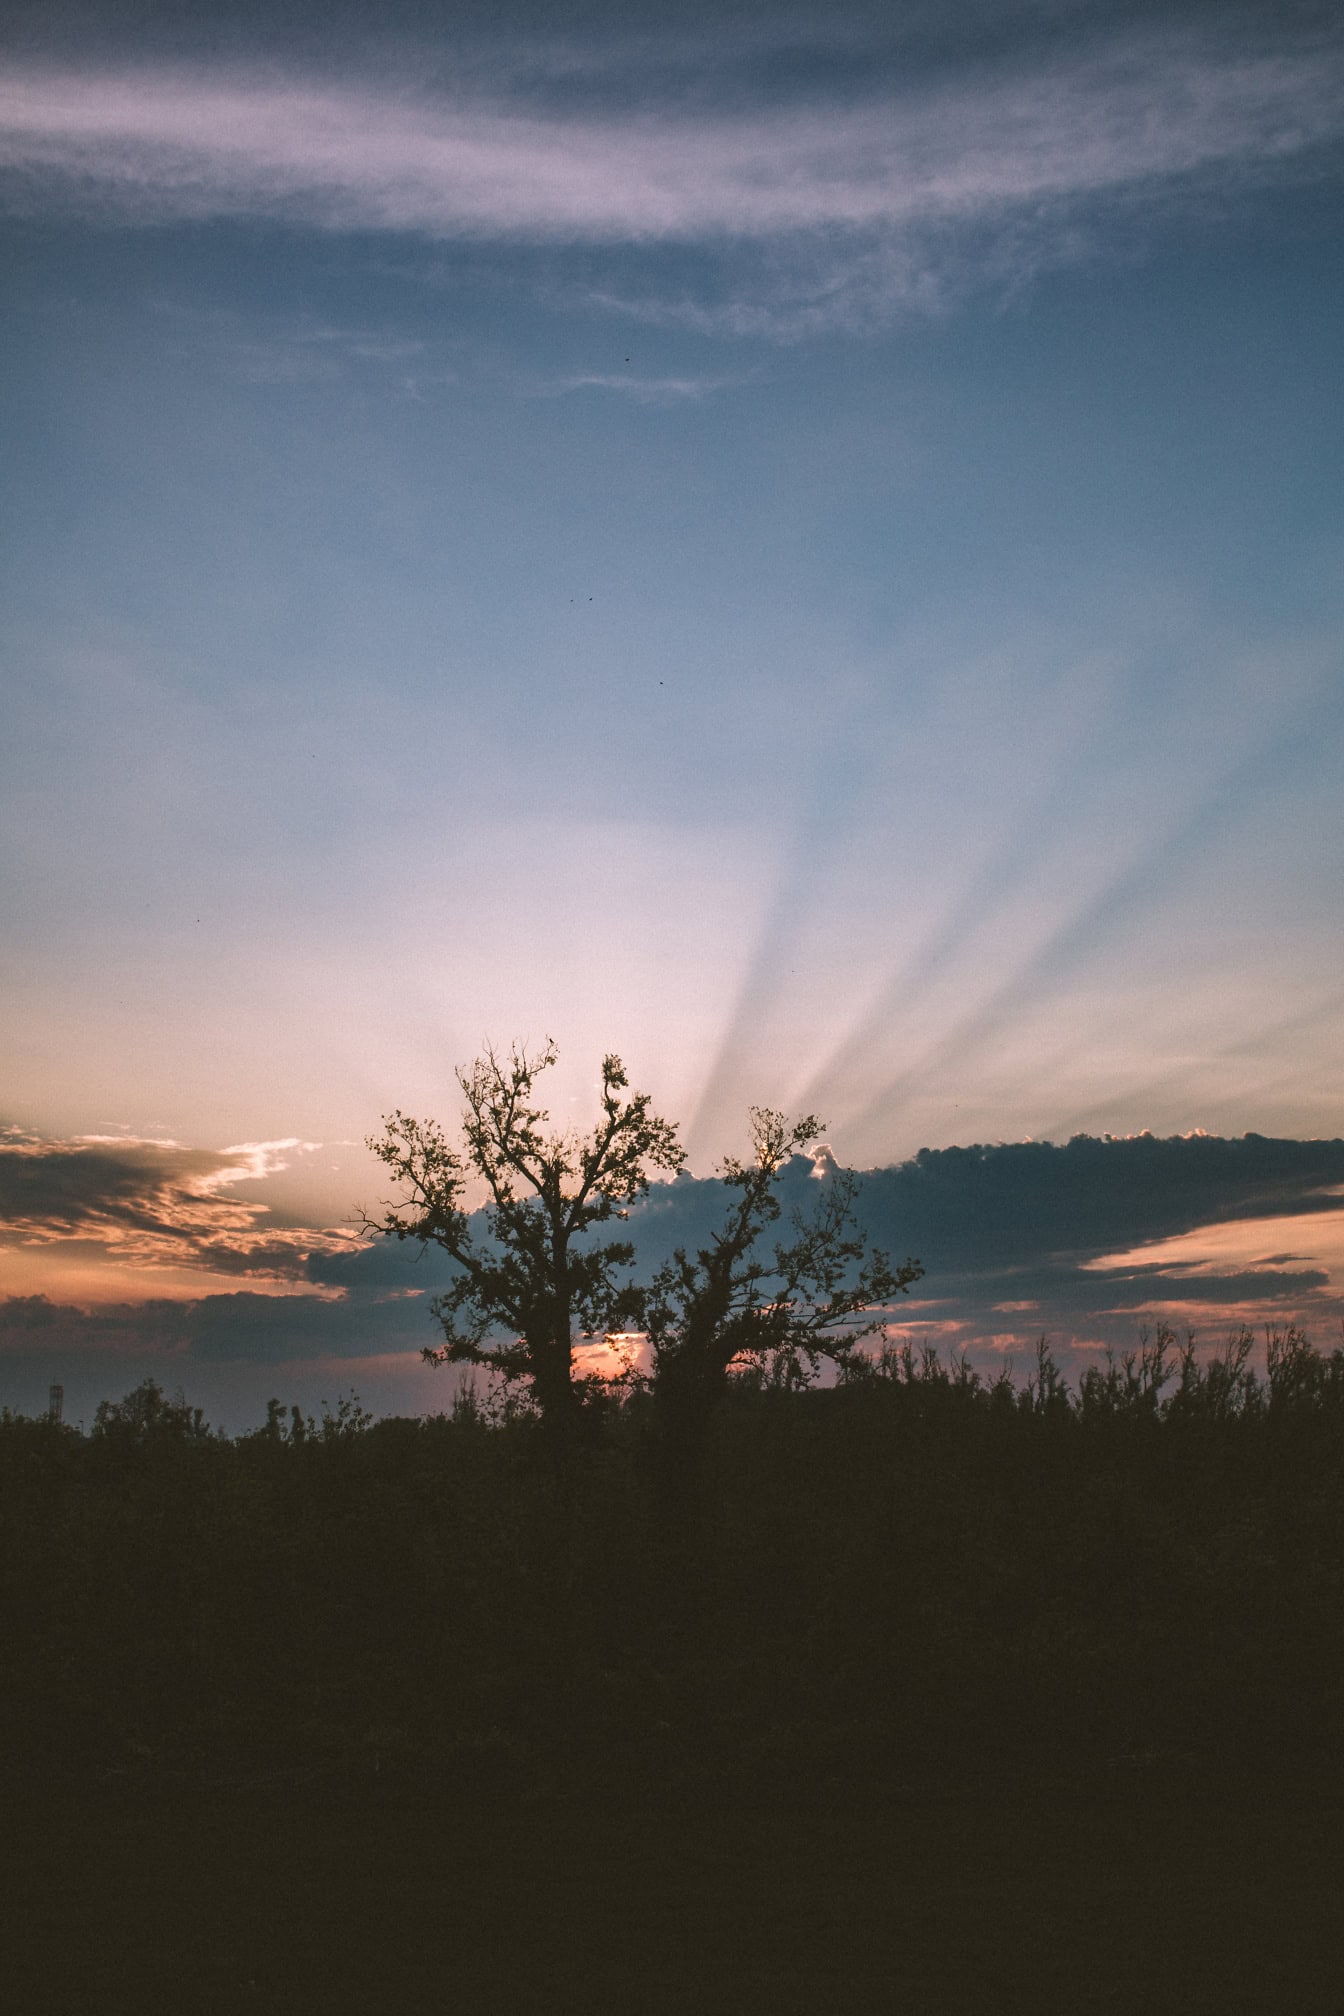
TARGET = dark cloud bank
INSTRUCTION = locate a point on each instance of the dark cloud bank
(1018, 1222)
(1023, 1221)
(1009, 1235)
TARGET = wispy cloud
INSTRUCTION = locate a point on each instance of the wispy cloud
(866, 177)
(303, 351)
(645, 391)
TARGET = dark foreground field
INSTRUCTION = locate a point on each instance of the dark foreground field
(928, 1696)
(1123, 1900)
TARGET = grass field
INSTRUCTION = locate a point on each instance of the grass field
(938, 1698)
(276, 1899)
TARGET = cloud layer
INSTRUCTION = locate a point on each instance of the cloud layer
(214, 1329)
(1081, 1240)
(874, 190)
(151, 1202)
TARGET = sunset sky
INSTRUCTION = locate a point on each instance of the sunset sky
(802, 546)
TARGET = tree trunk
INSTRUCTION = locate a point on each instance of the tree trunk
(553, 1386)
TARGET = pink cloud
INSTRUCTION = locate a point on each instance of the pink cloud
(164, 142)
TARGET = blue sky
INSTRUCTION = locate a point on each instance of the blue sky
(803, 552)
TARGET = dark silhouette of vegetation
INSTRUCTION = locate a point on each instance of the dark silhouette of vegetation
(732, 1308)
(537, 1277)
(526, 1293)
(917, 1575)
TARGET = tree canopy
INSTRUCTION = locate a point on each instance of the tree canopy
(535, 1276)
(535, 1281)
(736, 1304)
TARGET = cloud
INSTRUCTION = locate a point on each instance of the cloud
(152, 1202)
(857, 201)
(1088, 1239)
(1081, 1240)
(258, 1329)
(1085, 1226)
(1019, 1203)
(646, 391)
(33, 1323)
(281, 1328)
(304, 350)
(1084, 1239)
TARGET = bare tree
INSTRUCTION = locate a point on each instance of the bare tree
(520, 1296)
(735, 1304)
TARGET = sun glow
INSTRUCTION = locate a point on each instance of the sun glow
(615, 1355)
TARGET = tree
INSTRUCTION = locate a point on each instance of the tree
(146, 1414)
(519, 1296)
(734, 1306)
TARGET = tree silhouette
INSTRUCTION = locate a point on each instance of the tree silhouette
(733, 1305)
(520, 1297)
(147, 1414)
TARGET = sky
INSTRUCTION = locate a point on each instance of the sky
(800, 546)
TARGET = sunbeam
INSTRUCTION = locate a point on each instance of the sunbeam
(1141, 883)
